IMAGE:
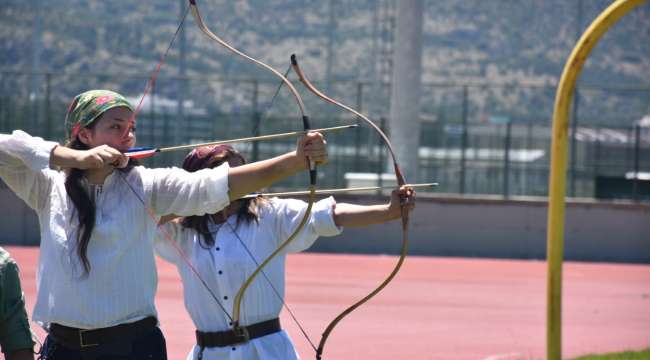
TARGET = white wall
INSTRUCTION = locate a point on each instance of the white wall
(451, 226)
(484, 227)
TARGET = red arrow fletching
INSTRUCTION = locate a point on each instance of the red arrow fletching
(141, 154)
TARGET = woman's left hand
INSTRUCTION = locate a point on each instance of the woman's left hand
(312, 146)
(404, 196)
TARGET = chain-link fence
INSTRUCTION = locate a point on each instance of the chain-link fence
(474, 138)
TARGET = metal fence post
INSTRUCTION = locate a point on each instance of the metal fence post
(3, 109)
(463, 142)
(357, 133)
(47, 105)
(380, 167)
(597, 155)
(506, 160)
(637, 151)
(527, 166)
(574, 149)
(257, 118)
(152, 115)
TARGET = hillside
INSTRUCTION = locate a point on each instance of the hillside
(496, 42)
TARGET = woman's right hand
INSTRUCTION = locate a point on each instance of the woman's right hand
(99, 157)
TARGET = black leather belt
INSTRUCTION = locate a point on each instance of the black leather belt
(230, 337)
(78, 339)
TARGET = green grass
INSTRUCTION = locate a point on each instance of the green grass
(626, 355)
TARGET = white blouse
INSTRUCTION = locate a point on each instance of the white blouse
(227, 264)
(122, 282)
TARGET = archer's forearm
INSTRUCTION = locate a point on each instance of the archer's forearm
(248, 178)
(350, 215)
(64, 157)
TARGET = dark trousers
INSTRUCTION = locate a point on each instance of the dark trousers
(148, 346)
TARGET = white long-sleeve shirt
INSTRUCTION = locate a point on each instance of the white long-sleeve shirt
(227, 264)
(122, 282)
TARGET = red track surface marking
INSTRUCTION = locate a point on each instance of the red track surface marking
(437, 308)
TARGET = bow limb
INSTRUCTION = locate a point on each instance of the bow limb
(201, 24)
(303, 79)
(240, 294)
(404, 211)
(312, 167)
(305, 119)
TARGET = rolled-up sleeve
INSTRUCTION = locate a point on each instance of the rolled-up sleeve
(289, 213)
(14, 326)
(24, 160)
(176, 191)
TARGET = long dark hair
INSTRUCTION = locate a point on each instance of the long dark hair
(211, 157)
(83, 203)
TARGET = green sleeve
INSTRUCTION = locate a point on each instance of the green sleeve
(14, 326)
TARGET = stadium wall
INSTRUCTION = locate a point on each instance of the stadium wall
(455, 226)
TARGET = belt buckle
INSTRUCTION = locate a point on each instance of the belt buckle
(81, 339)
(241, 334)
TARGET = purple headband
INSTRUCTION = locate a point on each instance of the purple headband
(206, 157)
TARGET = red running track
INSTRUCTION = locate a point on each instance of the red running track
(436, 308)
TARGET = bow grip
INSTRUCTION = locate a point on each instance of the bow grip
(312, 166)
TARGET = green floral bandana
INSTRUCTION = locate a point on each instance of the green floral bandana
(88, 106)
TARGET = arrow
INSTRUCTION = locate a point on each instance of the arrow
(145, 152)
(336, 191)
